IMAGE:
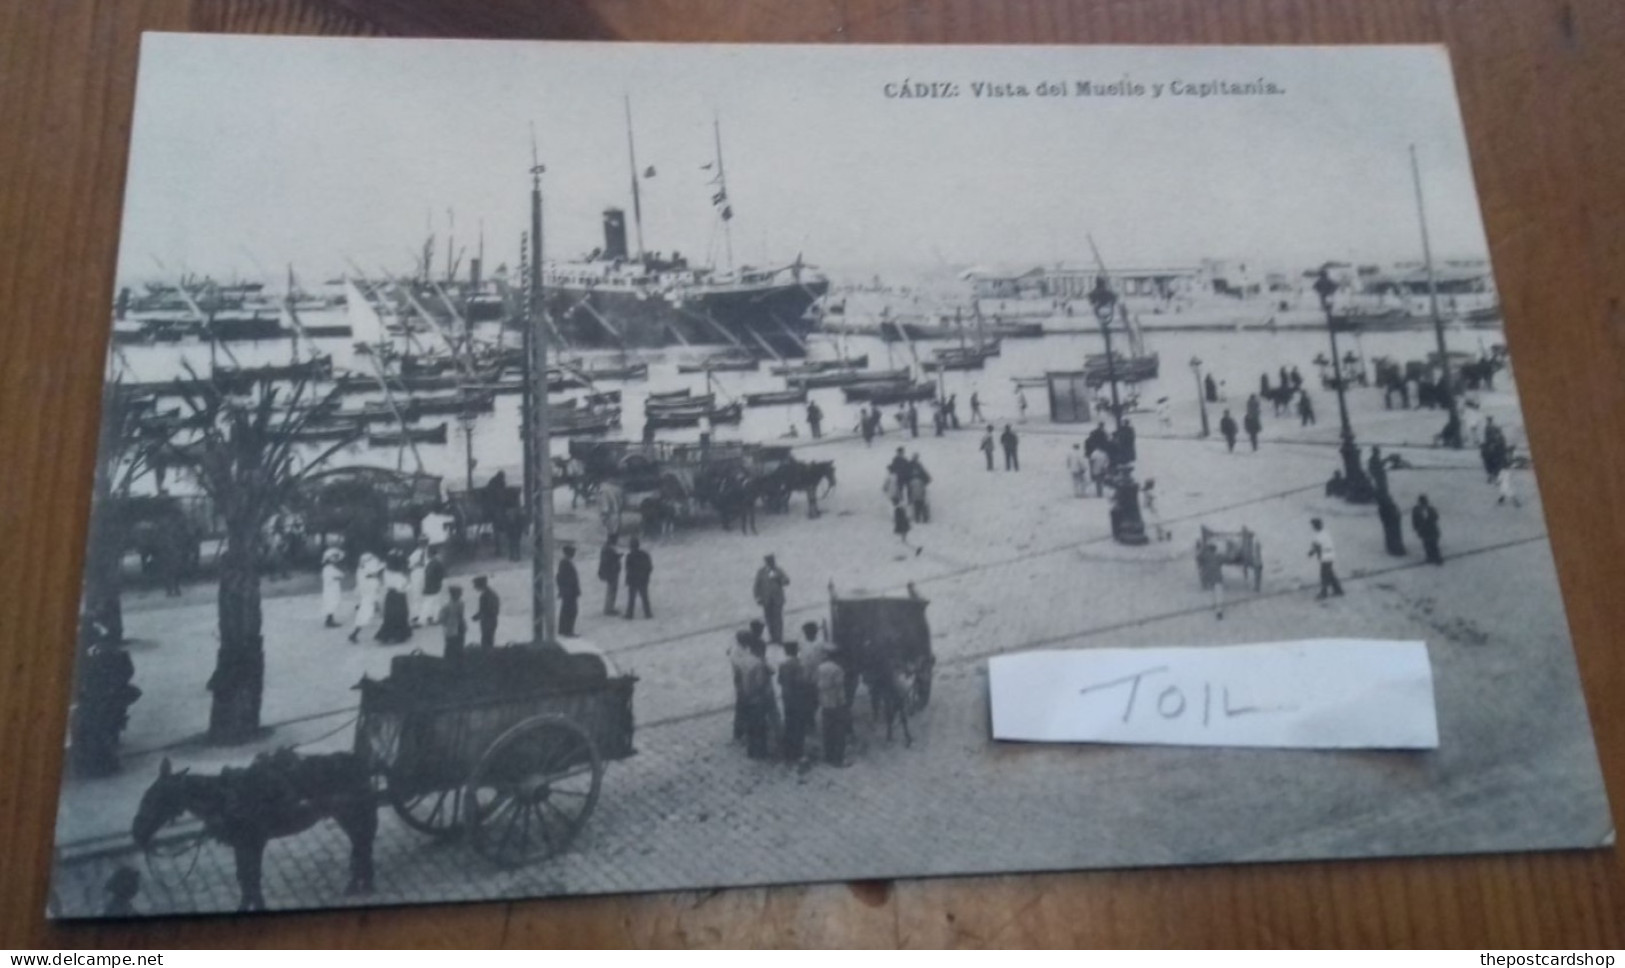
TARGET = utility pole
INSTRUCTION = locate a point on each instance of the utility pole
(539, 476)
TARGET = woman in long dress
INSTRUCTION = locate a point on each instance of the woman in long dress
(397, 624)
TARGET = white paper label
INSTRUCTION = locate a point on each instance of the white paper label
(1314, 694)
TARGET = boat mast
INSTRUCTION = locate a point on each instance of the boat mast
(722, 192)
(632, 157)
(539, 467)
(1433, 294)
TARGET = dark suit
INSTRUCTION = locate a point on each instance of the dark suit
(638, 569)
(569, 585)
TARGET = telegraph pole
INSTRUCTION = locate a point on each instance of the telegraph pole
(539, 476)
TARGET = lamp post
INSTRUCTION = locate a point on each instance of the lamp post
(1128, 527)
(1201, 398)
(1356, 485)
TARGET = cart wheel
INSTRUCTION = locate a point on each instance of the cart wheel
(532, 791)
(438, 813)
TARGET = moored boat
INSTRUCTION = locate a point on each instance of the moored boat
(417, 435)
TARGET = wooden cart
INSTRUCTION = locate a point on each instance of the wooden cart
(1241, 548)
(505, 747)
(885, 636)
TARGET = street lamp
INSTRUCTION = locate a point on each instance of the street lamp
(1357, 487)
(1127, 526)
(1201, 398)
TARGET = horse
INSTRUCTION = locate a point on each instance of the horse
(793, 476)
(277, 795)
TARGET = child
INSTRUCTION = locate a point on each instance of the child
(453, 622)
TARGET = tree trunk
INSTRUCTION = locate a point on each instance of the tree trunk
(102, 590)
(238, 682)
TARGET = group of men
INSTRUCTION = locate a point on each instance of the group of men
(1008, 442)
(636, 566)
(906, 484)
(812, 692)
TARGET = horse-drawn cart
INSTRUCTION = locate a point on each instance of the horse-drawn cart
(1241, 548)
(504, 746)
(886, 643)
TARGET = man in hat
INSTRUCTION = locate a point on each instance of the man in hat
(569, 585)
(769, 591)
(1320, 546)
(332, 586)
(639, 566)
(1077, 466)
(1425, 519)
(609, 572)
(486, 609)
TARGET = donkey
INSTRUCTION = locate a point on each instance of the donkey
(277, 795)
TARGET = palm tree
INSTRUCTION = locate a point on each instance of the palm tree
(128, 451)
(242, 454)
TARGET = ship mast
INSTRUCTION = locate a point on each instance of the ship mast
(726, 210)
(1433, 296)
(632, 157)
(539, 466)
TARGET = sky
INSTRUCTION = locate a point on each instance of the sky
(251, 153)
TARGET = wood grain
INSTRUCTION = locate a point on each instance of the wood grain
(1540, 92)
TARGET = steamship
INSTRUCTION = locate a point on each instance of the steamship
(619, 298)
(615, 298)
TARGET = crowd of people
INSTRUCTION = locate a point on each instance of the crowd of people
(798, 711)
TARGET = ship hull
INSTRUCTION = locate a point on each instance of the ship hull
(757, 319)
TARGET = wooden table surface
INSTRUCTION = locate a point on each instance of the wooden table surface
(1542, 93)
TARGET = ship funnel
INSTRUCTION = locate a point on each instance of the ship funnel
(614, 233)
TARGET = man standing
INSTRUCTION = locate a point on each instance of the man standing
(987, 446)
(1078, 467)
(639, 566)
(1227, 427)
(738, 661)
(1021, 404)
(1306, 410)
(453, 623)
(1100, 462)
(486, 609)
(1123, 446)
(835, 716)
(1393, 528)
(434, 579)
(976, 409)
(770, 582)
(756, 701)
(1425, 519)
(1009, 442)
(1253, 425)
(569, 585)
(1320, 546)
(815, 419)
(799, 695)
(1378, 469)
(913, 420)
(609, 572)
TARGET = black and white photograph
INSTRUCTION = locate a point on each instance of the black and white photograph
(539, 469)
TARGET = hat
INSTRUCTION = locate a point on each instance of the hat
(332, 556)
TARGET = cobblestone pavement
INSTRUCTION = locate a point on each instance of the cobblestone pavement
(1012, 561)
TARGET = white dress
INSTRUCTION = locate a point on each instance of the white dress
(369, 576)
(332, 589)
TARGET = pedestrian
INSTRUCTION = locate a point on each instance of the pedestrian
(897, 475)
(877, 419)
(769, 590)
(434, 579)
(1100, 463)
(1210, 387)
(756, 698)
(835, 716)
(813, 651)
(1211, 572)
(1425, 521)
(1253, 426)
(866, 427)
(332, 586)
(1286, 378)
(397, 624)
(1297, 379)
(454, 623)
(417, 567)
(1254, 407)
(913, 420)
(1306, 410)
(1124, 450)
(1320, 546)
(639, 568)
(1393, 527)
(1503, 484)
(1021, 404)
(1077, 467)
(1227, 427)
(939, 418)
(900, 527)
(569, 587)
(799, 697)
(815, 419)
(609, 572)
(369, 586)
(738, 660)
(1149, 495)
(987, 446)
(976, 408)
(1097, 440)
(486, 610)
(918, 481)
(1377, 468)
(1009, 442)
